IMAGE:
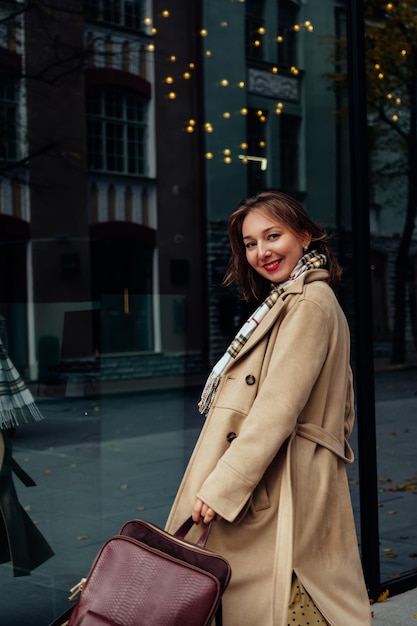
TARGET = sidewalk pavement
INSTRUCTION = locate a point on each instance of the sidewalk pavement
(400, 610)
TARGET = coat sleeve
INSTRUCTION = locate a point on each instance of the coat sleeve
(300, 350)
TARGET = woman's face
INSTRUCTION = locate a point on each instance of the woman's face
(272, 249)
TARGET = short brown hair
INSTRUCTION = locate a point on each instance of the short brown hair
(288, 211)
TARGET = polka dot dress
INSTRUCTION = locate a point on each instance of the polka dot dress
(302, 611)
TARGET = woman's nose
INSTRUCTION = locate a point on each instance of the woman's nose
(263, 250)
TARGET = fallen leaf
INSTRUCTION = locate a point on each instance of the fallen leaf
(83, 537)
(383, 596)
(123, 486)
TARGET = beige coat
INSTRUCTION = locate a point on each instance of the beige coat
(281, 484)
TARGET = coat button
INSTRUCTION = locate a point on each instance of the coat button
(231, 436)
(250, 380)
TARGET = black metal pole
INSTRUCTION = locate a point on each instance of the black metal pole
(364, 365)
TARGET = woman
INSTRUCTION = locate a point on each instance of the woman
(269, 465)
(21, 542)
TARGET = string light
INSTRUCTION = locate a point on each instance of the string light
(190, 126)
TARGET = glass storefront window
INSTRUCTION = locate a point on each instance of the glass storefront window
(128, 133)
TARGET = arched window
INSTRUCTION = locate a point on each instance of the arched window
(117, 131)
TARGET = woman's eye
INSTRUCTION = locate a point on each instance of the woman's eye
(250, 244)
(273, 235)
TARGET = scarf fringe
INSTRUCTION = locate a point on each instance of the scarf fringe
(15, 416)
(208, 392)
(17, 405)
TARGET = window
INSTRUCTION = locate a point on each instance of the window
(254, 26)
(289, 152)
(287, 36)
(126, 13)
(116, 130)
(8, 119)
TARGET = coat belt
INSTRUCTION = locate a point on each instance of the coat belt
(318, 434)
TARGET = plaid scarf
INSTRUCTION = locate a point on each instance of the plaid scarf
(308, 261)
(16, 401)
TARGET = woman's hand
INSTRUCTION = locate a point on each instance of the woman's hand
(201, 511)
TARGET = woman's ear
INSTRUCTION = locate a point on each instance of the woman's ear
(306, 239)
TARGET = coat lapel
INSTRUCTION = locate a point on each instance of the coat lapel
(273, 315)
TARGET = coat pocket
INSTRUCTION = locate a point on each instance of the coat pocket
(260, 498)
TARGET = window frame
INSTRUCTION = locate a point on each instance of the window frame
(117, 131)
